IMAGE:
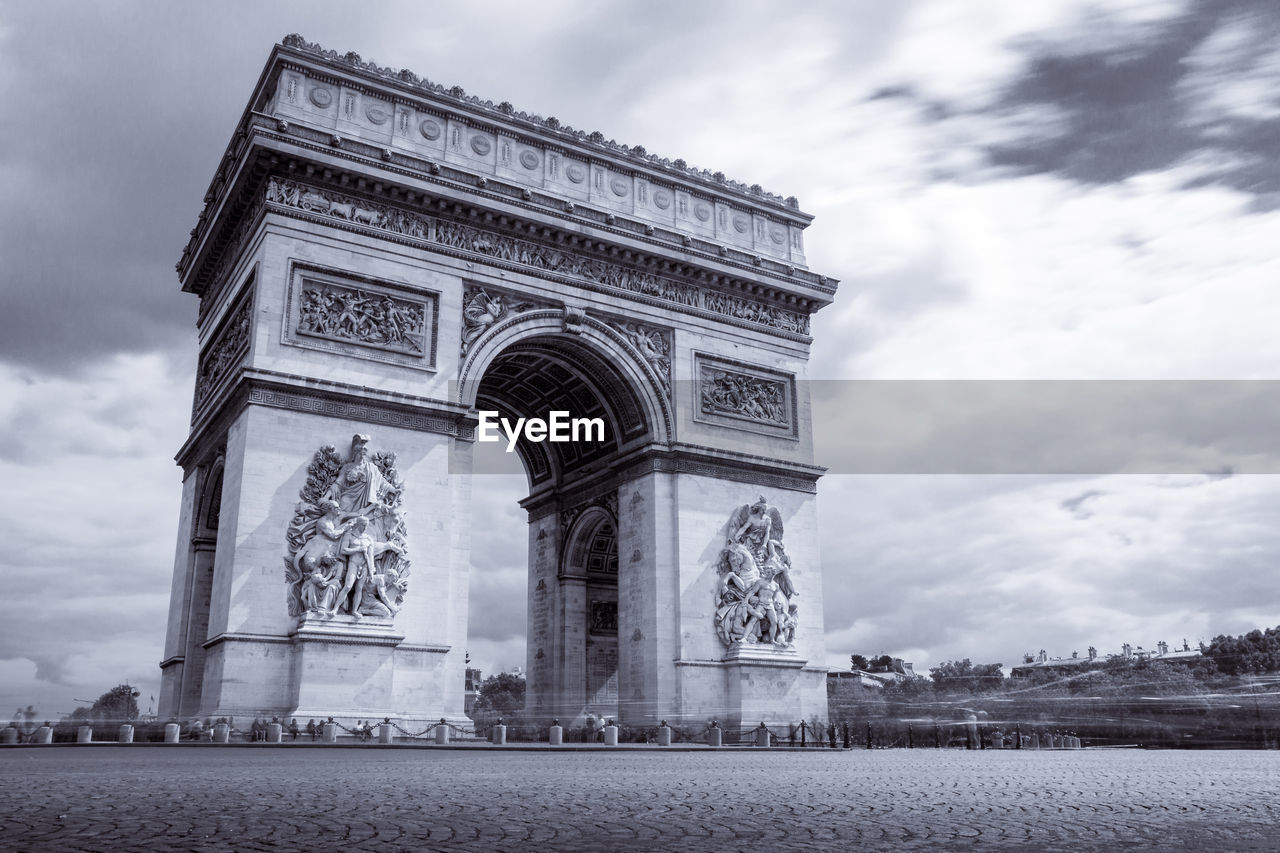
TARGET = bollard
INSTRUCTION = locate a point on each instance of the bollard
(329, 732)
(714, 735)
(125, 735)
(9, 735)
(442, 732)
(664, 734)
(222, 733)
(172, 732)
(610, 735)
(971, 731)
(555, 735)
(499, 736)
(275, 733)
(762, 736)
(44, 734)
(1035, 740)
(1017, 737)
(84, 734)
(386, 734)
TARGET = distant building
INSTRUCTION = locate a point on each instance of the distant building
(1162, 652)
(879, 673)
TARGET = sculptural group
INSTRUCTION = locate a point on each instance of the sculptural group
(755, 596)
(347, 541)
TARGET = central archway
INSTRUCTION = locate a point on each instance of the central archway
(529, 366)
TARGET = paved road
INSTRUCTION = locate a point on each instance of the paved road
(247, 799)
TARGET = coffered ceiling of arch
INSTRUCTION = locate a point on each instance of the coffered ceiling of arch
(543, 375)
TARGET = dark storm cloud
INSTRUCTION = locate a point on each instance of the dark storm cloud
(1138, 104)
(105, 155)
(1074, 505)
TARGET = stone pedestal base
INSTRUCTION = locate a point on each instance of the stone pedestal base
(499, 736)
(84, 734)
(610, 735)
(44, 734)
(125, 735)
(344, 667)
(275, 733)
(555, 736)
(172, 732)
(9, 735)
(664, 736)
(772, 685)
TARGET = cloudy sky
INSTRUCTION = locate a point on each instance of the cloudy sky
(1032, 191)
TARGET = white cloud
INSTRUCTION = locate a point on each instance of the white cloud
(89, 517)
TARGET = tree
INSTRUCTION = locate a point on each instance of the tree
(966, 677)
(1254, 652)
(118, 703)
(858, 662)
(501, 695)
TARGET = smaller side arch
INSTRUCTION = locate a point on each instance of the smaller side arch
(210, 507)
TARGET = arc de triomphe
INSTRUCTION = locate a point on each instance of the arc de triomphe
(380, 261)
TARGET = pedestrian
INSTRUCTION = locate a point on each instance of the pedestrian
(293, 728)
(254, 729)
(311, 729)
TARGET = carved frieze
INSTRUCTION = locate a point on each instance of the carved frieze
(328, 203)
(347, 544)
(530, 255)
(357, 316)
(229, 346)
(755, 598)
(742, 396)
(654, 346)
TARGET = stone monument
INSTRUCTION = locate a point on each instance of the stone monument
(381, 262)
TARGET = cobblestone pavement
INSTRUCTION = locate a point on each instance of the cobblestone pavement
(248, 799)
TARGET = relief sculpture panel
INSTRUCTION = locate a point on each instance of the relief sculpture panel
(353, 314)
(348, 314)
(755, 599)
(744, 397)
(347, 549)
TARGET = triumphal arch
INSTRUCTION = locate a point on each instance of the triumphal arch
(383, 263)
